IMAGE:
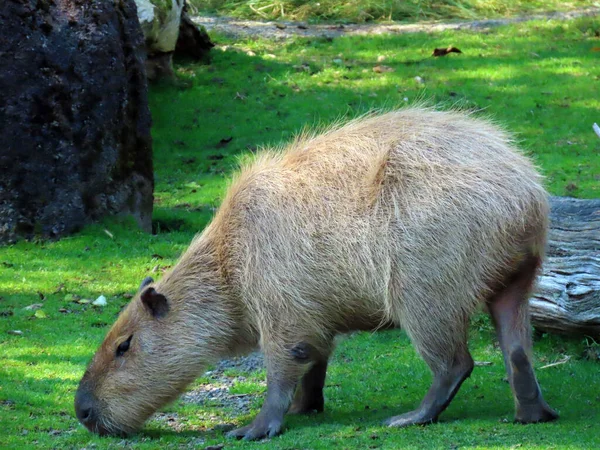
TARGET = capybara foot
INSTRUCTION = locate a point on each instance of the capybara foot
(411, 418)
(538, 412)
(258, 429)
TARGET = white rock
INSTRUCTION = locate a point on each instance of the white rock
(100, 301)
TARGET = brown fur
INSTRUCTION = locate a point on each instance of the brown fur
(411, 218)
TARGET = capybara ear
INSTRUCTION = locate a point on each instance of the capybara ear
(145, 282)
(156, 303)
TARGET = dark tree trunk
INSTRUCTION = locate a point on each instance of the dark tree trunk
(567, 299)
(75, 139)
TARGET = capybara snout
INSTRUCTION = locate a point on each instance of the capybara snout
(414, 218)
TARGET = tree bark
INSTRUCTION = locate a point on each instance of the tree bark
(75, 141)
(567, 299)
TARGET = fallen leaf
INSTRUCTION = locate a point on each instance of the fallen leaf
(33, 307)
(15, 332)
(109, 234)
(39, 314)
(64, 310)
(483, 363)
(571, 187)
(84, 301)
(223, 142)
(596, 49)
(445, 51)
(383, 69)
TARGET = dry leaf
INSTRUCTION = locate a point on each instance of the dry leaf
(33, 307)
(39, 314)
(445, 51)
(382, 69)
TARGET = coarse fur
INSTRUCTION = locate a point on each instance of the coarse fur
(413, 218)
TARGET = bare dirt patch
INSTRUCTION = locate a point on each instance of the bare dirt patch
(279, 30)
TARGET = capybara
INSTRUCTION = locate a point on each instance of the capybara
(413, 218)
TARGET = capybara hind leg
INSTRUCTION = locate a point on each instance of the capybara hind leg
(446, 383)
(309, 395)
(510, 313)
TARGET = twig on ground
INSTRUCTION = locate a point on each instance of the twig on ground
(557, 363)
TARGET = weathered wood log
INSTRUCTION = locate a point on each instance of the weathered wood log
(567, 299)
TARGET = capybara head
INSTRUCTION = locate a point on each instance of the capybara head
(147, 358)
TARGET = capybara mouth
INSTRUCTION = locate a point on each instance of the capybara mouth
(100, 429)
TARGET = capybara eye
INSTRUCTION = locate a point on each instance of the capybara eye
(124, 346)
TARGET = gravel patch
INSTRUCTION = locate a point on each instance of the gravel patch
(217, 392)
(280, 30)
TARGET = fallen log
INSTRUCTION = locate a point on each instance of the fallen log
(567, 298)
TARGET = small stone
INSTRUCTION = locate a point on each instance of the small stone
(100, 301)
(419, 80)
(224, 427)
(214, 447)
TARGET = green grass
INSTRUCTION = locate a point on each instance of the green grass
(538, 79)
(381, 10)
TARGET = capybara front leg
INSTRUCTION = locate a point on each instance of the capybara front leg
(309, 395)
(510, 312)
(283, 374)
(445, 385)
(269, 421)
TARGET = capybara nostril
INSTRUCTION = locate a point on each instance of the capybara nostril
(85, 414)
(84, 408)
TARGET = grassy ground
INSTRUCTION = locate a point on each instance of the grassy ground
(381, 10)
(539, 79)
